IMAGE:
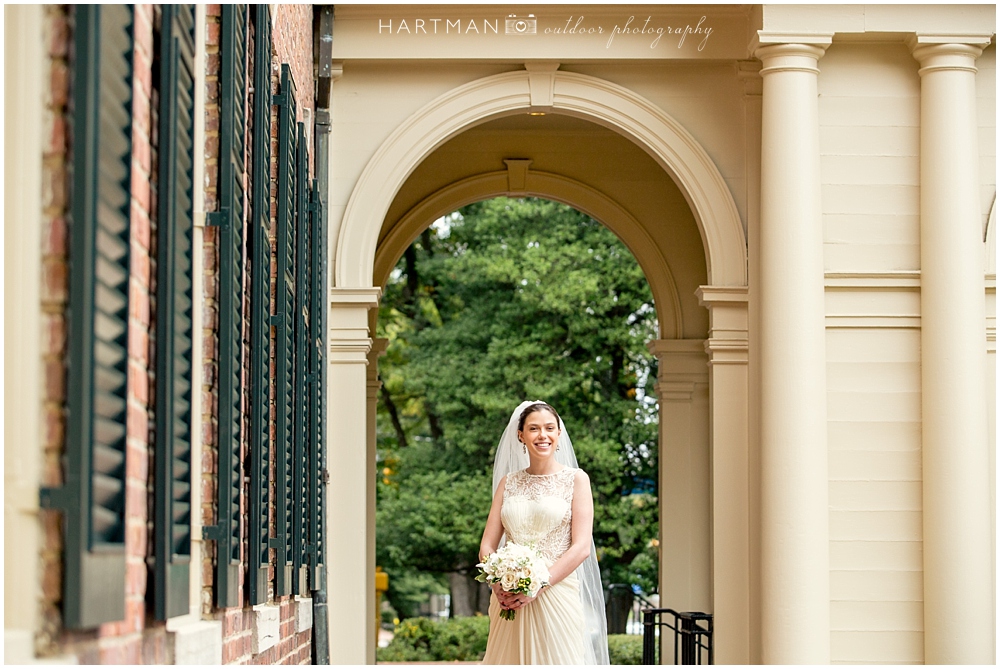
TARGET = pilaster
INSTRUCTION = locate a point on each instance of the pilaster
(378, 348)
(685, 476)
(727, 349)
(958, 564)
(352, 479)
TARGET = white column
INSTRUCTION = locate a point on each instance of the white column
(958, 570)
(795, 574)
(728, 379)
(350, 536)
(374, 385)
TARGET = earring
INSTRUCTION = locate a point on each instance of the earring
(525, 447)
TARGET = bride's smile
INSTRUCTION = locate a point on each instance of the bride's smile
(540, 436)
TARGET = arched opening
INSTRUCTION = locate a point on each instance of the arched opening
(517, 298)
(688, 238)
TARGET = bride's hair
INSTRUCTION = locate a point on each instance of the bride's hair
(533, 408)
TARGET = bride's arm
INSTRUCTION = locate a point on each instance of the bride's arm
(581, 530)
(494, 526)
(491, 538)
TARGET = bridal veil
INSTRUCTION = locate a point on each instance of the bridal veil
(511, 458)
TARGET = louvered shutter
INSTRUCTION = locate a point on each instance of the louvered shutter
(316, 391)
(300, 446)
(92, 498)
(229, 219)
(285, 324)
(172, 454)
(260, 310)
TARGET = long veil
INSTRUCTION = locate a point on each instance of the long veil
(511, 458)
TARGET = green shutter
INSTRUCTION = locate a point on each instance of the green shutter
(92, 499)
(285, 324)
(303, 295)
(316, 391)
(172, 526)
(229, 219)
(260, 309)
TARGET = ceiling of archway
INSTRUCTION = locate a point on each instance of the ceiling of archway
(587, 153)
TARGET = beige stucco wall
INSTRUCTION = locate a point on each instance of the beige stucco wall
(869, 134)
(869, 114)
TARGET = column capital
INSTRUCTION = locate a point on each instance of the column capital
(348, 324)
(947, 52)
(377, 350)
(728, 325)
(682, 364)
(788, 52)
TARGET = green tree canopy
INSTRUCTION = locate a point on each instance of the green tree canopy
(505, 300)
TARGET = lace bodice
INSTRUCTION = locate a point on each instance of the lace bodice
(538, 510)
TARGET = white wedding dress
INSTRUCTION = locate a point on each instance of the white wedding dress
(537, 509)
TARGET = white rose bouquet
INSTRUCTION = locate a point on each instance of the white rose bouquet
(519, 569)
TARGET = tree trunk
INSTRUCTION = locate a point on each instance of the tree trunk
(468, 596)
(461, 594)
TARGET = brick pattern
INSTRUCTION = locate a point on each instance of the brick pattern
(210, 309)
(54, 295)
(293, 44)
(137, 638)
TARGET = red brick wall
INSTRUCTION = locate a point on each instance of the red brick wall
(210, 309)
(54, 294)
(137, 638)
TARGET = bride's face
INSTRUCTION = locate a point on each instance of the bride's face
(540, 434)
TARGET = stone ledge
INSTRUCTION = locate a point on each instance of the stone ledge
(197, 642)
(303, 614)
(266, 627)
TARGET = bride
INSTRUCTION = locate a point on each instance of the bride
(541, 497)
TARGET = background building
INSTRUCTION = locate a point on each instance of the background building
(202, 203)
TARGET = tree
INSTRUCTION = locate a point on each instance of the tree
(505, 300)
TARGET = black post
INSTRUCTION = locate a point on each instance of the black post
(649, 636)
(689, 640)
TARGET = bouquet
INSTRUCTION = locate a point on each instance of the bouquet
(519, 569)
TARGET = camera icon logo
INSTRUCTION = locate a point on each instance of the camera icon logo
(521, 26)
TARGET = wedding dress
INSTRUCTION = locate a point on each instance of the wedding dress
(537, 510)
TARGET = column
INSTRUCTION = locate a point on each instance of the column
(728, 379)
(350, 536)
(795, 574)
(685, 481)
(374, 385)
(958, 564)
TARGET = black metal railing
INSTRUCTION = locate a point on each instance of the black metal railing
(692, 640)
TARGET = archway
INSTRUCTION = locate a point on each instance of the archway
(703, 369)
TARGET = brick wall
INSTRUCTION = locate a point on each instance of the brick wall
(54, 294)
(137, 638)
(209, 305)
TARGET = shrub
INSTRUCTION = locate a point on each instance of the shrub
(461, 639)
(422, 640)
(625, 648)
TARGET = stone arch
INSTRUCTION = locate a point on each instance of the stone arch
(556, 187)
(582, 96)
